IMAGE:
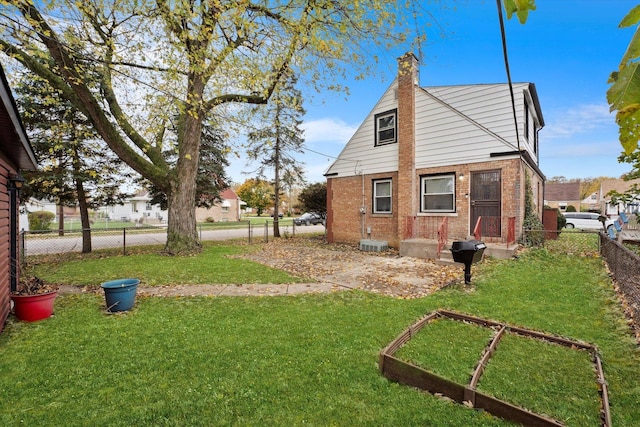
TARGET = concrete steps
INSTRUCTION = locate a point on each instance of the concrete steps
(427, 249)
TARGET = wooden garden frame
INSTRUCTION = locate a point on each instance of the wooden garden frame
(406, 373)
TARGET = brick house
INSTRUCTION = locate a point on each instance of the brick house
(560, 195)
(430, 161)
(16, 154)
(228, 209)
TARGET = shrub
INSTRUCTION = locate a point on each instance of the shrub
(562, 221)
(571, 208)
(40, 220)
(209, 219)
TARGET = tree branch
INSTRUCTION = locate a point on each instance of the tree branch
(82, 97)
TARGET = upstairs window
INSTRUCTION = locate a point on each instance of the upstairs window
(438, 193)
(386, 127)
(382, 196)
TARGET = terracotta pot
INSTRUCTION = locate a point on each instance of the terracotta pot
(33, 307)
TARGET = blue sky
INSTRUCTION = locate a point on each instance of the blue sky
(567, 48)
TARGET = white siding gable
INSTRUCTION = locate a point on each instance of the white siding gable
(463, 124)
(360, 155)
(454, 125)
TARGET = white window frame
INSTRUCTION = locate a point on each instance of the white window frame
(380, 128)
(423, 192)
(376, 197)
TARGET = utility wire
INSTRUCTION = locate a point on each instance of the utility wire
(506, 65)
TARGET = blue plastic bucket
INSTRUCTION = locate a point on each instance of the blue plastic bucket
(120, 294)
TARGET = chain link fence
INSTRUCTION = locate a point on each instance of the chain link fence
(624, 264)
(48, 242)
(623, 261)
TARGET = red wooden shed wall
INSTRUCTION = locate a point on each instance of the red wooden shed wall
(5, 254)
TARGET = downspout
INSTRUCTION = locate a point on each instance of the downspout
(363, 208)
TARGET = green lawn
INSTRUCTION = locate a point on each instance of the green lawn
(215, 265)
(312, 359)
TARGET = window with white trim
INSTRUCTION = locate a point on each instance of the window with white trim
(438, 193)
(382, 196)
(386, 128)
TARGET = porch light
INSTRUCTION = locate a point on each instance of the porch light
(461, 177)
(16, 182)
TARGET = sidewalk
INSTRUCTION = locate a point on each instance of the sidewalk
(220, 290)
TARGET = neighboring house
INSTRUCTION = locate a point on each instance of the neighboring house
(16, 154)
(138, 209)
(432, 157)
(591, 202)
(562, 194)
(228, 209)
(35, 205)
(621, 186)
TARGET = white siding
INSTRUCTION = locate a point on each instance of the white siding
(469, 124)
(360, 155)
(454, 125)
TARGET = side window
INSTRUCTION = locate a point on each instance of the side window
(438, 193)
(382, 196)
(386, 127)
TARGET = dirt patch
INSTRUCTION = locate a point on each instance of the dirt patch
(333, 266)
(386, 273)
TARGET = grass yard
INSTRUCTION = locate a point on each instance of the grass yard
(215, 265)
(312, 359)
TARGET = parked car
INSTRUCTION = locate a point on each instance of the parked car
(587, 221)
(308, 219)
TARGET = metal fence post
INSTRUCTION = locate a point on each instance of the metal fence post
(124, 241)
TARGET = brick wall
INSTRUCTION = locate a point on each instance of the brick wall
(345, 197)
(346, 223)
(407, 81)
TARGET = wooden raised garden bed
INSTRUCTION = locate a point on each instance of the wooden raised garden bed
(407, 373)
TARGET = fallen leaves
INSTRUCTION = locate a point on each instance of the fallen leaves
(384, 273)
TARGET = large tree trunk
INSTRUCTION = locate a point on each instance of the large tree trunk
(84, 217)
(182, 236)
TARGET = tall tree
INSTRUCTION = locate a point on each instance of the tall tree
(76, 168)
(313, 198)
(276, 141)
(257, 194)
(155, 59)
(211, 178)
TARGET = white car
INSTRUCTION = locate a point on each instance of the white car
(587, 221)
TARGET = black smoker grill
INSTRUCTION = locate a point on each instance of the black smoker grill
(467, 252)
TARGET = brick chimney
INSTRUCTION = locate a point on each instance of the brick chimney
(407, 187)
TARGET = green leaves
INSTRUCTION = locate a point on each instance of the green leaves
(624, 93)
(520, 7)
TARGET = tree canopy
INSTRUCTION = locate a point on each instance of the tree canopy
(148, 73)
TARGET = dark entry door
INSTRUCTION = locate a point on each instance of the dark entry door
(486, 198)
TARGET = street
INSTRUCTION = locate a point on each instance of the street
(35, 244)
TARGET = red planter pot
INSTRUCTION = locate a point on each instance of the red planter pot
(33, 307)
